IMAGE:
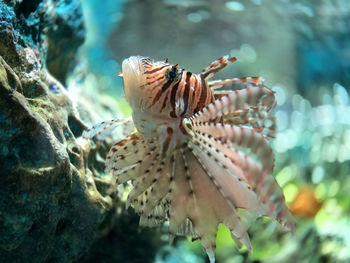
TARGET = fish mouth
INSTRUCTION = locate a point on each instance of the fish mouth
(133, 74)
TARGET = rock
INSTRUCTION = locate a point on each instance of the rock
(125, 242)
(64, 37)
(55, 200)
(50, 206)
(54, 28)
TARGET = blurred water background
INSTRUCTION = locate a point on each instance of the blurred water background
(302, 49)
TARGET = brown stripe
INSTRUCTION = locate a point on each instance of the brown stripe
(182, 128)
(217, 66)
(173, 96)
(163, 89)
(203, 96)
(195, 87)
(186, 92)
(155, 70)
(152, 76)
(156, 98)
(166, 85)
(167, 140)
(164, 104)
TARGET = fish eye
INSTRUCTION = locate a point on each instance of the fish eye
(172, 74)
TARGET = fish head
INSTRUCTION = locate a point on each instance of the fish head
(143, 78)
(133, 77)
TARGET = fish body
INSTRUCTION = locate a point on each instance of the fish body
(200, 157)
(162, 96)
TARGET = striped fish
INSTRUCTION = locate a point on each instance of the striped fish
(200, 155)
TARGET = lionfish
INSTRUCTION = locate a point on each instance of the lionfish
(200, 156)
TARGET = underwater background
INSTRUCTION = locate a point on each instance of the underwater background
(58, 65)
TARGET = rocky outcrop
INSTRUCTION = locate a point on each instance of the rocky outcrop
(53, 29)
(55, 200)
(49, 202)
